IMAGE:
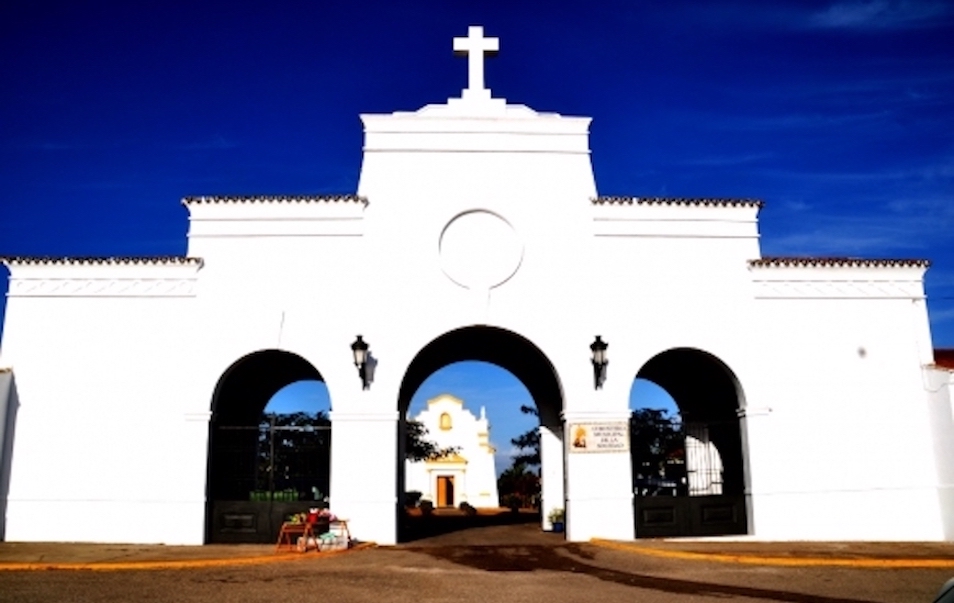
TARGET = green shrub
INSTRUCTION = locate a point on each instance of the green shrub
(427, 507)
(412, 498)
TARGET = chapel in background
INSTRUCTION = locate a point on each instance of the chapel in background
(465, 476)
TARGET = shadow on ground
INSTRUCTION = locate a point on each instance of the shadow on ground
(578, 558)
(415, 527)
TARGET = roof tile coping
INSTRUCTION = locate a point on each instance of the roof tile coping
(837, 262)
(90, 261)
(216, 199)
(716, 202)
(944, 358)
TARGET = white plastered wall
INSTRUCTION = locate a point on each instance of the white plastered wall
(8, 409)
(103, 426)
(115, 390)
(940, 386)
(673, 275)
(534, 172)
(286, 274)
(839, 416)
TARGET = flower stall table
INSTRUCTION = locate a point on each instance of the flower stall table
(337, 537)
(293, 533)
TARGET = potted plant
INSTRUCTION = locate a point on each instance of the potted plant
(556, 518)
(426, 506)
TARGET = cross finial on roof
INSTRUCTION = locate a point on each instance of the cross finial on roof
(475, 46)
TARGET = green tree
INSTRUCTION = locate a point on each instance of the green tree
(294, 453)
(528, 442)
(656, 443)
(418, 448)
(519, 486)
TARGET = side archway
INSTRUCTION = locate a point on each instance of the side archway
(689, 470)
(263, 467)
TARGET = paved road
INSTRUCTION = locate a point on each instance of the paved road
(482, 567)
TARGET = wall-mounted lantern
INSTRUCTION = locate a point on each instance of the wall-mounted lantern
(598, 348)
(362, 360)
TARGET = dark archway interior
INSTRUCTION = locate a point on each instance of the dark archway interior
(248, 385)
(496, 346)
(239, 400)
(700, 384)
(705, 391)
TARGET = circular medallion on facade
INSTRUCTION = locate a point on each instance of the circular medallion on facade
(480, 250)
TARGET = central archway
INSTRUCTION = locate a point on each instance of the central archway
(522, 359)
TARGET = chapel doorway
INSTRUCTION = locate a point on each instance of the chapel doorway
(269, 447)
(445, 491)
(524, 448)
(686, 445)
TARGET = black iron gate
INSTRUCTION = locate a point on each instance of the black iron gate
(670, 516)
(261, 474)
(687, 478)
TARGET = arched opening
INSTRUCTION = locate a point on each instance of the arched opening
(269, 446)
(444, 482)
(688, 466)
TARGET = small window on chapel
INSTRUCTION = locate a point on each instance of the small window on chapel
(445, 422)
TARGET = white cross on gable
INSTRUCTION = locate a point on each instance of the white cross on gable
(475, 46)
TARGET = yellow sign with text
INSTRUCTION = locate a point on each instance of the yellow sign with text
(610, 436)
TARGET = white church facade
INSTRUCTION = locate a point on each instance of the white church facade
(467, 474)
(476, 233)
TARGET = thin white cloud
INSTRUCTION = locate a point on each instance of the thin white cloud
(941, 280)
(727, 160)
(796, 205)
(860, 15)
(881, 14)
(801, 121)
(503, 458)
(909, 227)
(945, 315)
(938, 169)
(843, 239)
(907, 86)
(937, 210)
(506, 452)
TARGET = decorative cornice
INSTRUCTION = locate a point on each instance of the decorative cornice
(165, 276)
(840, 289)
(102, 287)
(92, 261)
(216, 199)
(450, 459)
(815, 278)
(836, 262)
(713, 202)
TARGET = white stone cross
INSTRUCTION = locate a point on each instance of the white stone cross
(475, 46)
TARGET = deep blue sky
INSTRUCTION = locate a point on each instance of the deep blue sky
(838, 114)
